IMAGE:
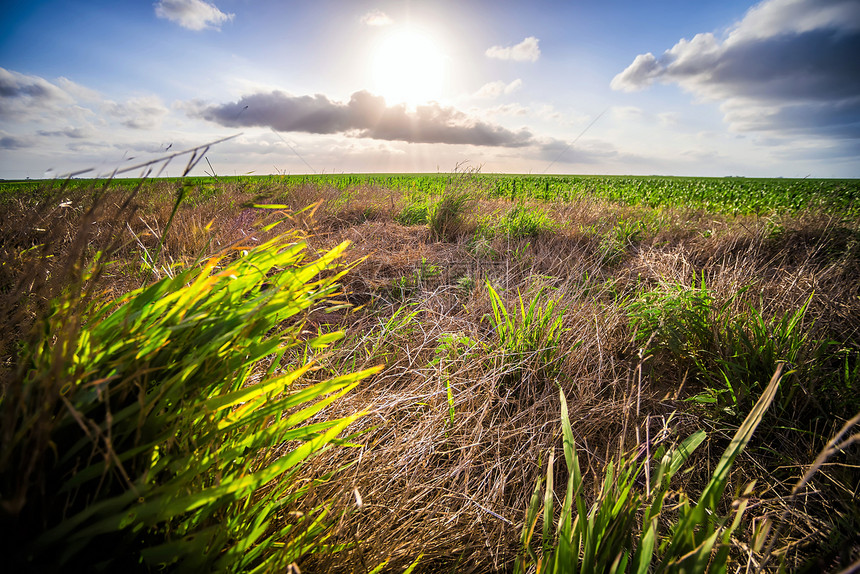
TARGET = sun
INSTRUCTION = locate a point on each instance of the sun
(409, 68)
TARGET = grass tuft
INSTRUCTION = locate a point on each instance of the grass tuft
(148, 430)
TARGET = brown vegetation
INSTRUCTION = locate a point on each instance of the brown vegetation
(450, 478)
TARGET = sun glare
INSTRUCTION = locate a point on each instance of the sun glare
(409, 68)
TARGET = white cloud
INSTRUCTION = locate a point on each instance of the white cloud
(377, 18)
(536, 112)
(89, 147)
(507, 110)
(642, 72)
(669, 119)
(143, 113)
(628, 113)
(788, 67)
(776, 17)
(514, 86)
(493, 90)
(584, 152)
(780, 47)
(78, 132)
(32, 99)
(525, 51)
(23, 95)
(77, 91)
(192, 14)
(547, 112)
(63, 108)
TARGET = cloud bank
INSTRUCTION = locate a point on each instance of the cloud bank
(68, 108)
(22, 95)
(525, 51)
(788, 67)
(364, 116)
(192, 14)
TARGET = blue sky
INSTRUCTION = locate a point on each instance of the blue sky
(706, 88)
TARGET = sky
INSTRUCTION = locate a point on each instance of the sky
(665, 87)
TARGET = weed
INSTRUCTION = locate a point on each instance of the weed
(415, 212)
(465, 284)
(445, 217)
(752, 347)
(405, 286)
(519, 222)
(613, 244)
(448, 463)
(480, 246)
(380, 343)
(603, 539)
(733, 354)
(530, 335)
(453, 347)
(677, 318)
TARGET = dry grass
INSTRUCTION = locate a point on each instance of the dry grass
(455, 492)
(455, 488)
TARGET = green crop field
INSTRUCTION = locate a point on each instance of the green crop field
(430, 372)
(724, 195)
(730, 195)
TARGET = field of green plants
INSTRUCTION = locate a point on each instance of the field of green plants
(456, 372)
(732, 195)
(725, 195)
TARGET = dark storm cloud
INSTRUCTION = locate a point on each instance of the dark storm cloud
(817, 65)
(789, 65)
(821, 65)
(365, 116)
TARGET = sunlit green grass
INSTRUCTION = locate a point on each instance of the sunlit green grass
(160, 428)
